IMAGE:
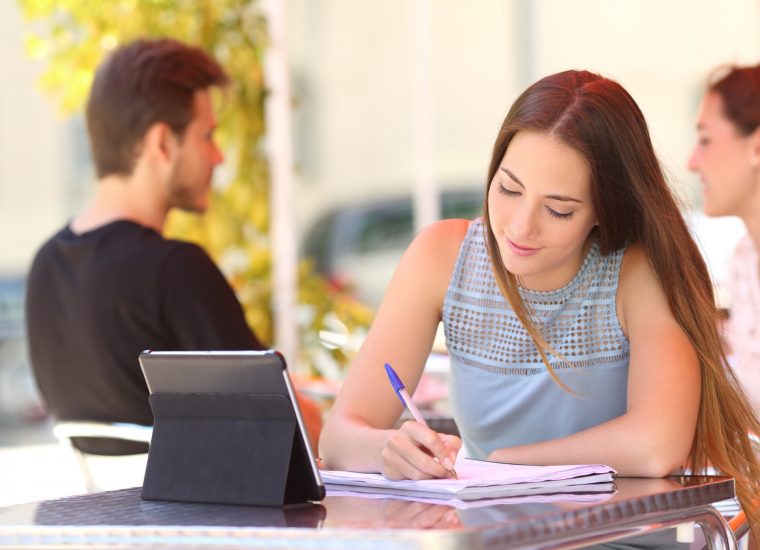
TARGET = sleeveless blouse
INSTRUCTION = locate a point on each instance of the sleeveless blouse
(501, 394)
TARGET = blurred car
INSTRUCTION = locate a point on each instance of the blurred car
(359, 246)
(18, 391)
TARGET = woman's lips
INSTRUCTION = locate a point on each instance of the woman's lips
(521, 250)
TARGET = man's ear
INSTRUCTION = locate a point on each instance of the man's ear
(160, 143)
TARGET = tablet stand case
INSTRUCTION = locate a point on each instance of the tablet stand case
(227, 449)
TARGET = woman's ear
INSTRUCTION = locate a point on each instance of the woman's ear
(754, 144)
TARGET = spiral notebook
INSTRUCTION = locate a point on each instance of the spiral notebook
(482, 479)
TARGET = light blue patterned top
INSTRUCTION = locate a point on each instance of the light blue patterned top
(501, 393)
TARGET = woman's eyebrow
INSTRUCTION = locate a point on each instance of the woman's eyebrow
(514, 178)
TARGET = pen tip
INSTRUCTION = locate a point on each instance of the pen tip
(393, 377)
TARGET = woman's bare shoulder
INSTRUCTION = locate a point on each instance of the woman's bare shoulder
(636, 268)
(640, 293)
(451, 229)
(439, 242)
(427, 264)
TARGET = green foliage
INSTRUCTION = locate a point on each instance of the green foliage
(73, 37)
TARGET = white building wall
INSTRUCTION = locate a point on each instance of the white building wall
(353, 63)
(33, 164)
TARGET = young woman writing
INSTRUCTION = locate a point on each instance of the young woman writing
(578, 313)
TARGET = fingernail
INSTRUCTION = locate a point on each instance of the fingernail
(451, 516)
(448, 463)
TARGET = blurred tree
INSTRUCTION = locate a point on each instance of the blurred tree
(74, 36)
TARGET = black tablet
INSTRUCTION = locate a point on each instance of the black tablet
(244, 373)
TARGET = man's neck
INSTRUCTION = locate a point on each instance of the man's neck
(118, 198)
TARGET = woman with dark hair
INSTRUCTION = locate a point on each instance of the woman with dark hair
(578, 314)
(727, 157)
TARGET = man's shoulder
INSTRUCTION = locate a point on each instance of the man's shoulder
(119, 233)
(119, 247)
(127, 238)
(150, 248)
(59, 236)
(50, 247)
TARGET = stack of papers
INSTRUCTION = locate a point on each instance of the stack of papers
(480, 479)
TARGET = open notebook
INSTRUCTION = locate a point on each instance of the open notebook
(482, 479)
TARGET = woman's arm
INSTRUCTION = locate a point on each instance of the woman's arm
(359, 433)
(654, 436)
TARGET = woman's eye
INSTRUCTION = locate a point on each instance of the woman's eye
(508, 192)
(560, 215)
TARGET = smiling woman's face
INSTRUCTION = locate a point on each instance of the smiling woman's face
(541, 211)
(726, 161)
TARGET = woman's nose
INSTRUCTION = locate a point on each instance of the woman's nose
(693, 164)
(524, 223)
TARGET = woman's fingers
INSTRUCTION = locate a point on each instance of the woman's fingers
(417, 452)
(402, 458)
(453, 443)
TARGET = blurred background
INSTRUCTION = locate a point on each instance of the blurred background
(393, 109)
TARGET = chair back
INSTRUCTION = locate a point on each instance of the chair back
(66, 431)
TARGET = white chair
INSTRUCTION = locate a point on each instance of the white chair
(66, 430)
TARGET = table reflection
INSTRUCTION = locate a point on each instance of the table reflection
(632, 510)
(125, 507)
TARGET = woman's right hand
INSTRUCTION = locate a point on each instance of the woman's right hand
(414, 451)
(360, 433)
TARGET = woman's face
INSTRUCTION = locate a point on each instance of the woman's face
(541, 212)
(725, 159)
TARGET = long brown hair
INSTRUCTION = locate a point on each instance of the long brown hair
(633, 204)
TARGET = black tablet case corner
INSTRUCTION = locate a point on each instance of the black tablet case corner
(227, 449)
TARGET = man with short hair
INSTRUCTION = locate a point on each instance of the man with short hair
(108, 285)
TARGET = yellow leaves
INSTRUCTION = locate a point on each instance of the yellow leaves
(33, 9)
(221, 232)
(69, 86)
(36, 47)
(108, 42)
(185, 226)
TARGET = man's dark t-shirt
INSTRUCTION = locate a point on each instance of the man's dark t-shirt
(95, 301)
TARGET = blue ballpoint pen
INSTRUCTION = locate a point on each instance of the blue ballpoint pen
(406, 400)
